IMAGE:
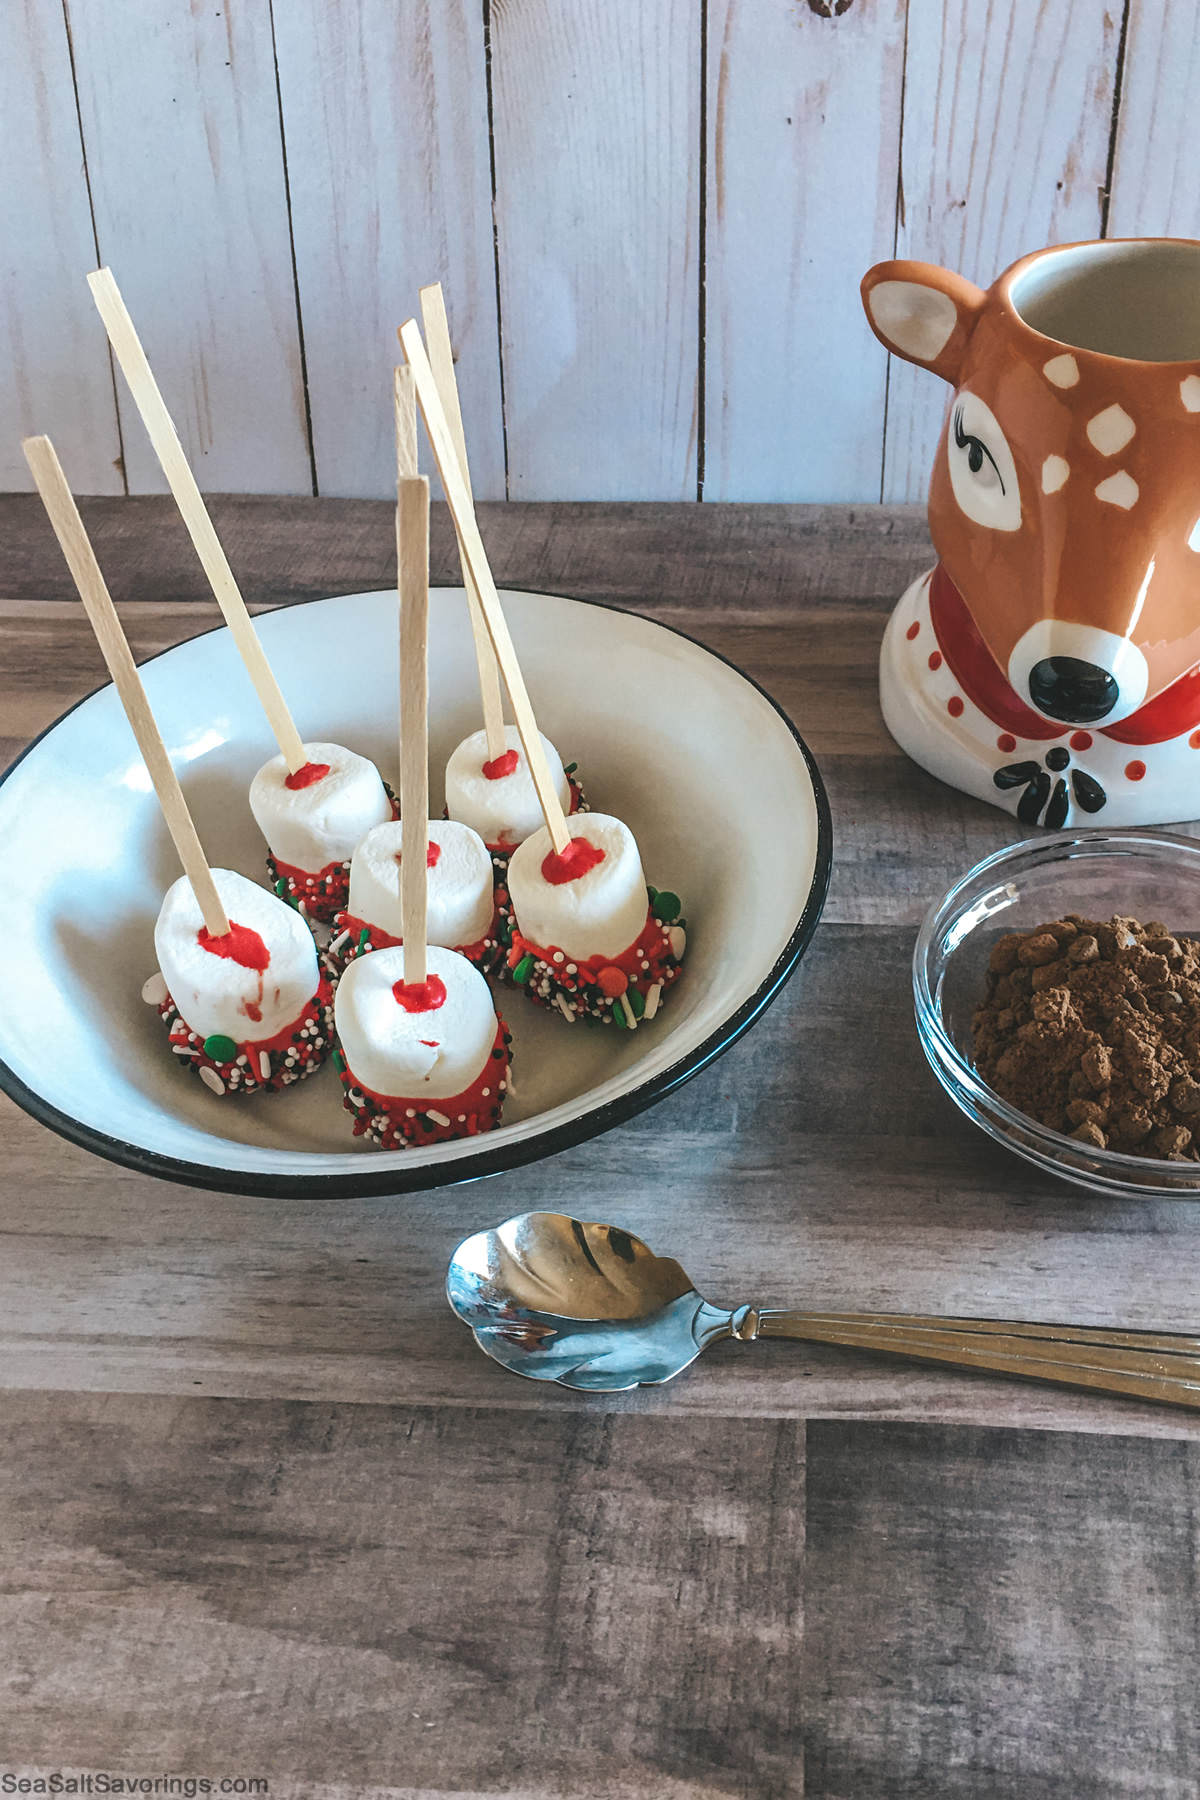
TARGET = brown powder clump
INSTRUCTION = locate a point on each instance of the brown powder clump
(1094, 1029)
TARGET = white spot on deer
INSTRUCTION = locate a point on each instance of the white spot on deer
(1189, 392)
(1118, 490)
(1055, 470)
(1111, 430)
(1194, 537)
(1063, 371)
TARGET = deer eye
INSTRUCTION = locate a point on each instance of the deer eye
(982, 472)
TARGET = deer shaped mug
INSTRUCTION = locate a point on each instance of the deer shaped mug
(1050, 662)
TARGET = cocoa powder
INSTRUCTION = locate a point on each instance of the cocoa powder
(1094, 1029)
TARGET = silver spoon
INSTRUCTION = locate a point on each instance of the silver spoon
(592, 1307)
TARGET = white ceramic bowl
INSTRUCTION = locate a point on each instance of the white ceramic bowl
(723, 796)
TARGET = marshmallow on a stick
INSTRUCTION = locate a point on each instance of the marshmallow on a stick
(496, 797)
(420, 1063)
(461, 909)
(590, 938)
(246, 1010)
(314, 820)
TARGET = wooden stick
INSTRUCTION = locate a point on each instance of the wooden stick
(85, 570)
(165, 439)
(463, 514)
(412, 544)
(441, 361)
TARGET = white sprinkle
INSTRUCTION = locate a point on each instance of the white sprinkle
(183, 1050)
(264, 1065)
(211, 1079)
(410, 1112)
(558, 956)
(462, 1118)
(564, 1009)
(154, 991)
(437, 1117)
(630, 1015)
(486, 1092)
(677, 938)
(338, 941)
(572, 969)
(652, 999)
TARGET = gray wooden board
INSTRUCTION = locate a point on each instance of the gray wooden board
(166, 1333)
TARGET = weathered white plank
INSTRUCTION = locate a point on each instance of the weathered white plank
(597, 130)
(1155, 192)
(385, 120)
(181, 125)
(54, 369)
(1007, 115)
(803, 133)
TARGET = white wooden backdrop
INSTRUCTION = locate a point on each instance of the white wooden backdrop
(650, 217)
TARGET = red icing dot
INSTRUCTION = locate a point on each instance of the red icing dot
(420, 996)
(1194, 740)
(501, 766)
(308, 776)
(612, 982)
(935, 659)
(433, 854)
(578, 857)
(239, 945)
(1006, 742)
(913, 629)
(954, 706)
(1134, 771)
(1081, 740)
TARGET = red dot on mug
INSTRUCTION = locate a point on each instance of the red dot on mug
(1006, 742)
(954, 706)
(1134, 771)
(935, 659)
(1081, 740)
(913, 629)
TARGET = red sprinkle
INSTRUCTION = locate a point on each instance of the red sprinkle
(420, 996)
(501, 766)
(1135, 770)
(578, 857)
(1082, 740)
(913, 629)
(239, 945)
(1006, 742)
(308, 776)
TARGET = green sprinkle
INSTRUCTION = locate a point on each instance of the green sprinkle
(364, 937)
(652, 892)
(667, 906)
(618, 1015)
(636, 1004)
(281, 888)
(222, 1049)
(570, 768)
(523, 971)
(339, 1062)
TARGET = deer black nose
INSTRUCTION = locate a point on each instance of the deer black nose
(1078, 693)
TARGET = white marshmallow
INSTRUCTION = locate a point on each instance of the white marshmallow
(311, 827)
(216, 994)
(600, 913)
(417, 1056)
(461, 902)
(506, 810)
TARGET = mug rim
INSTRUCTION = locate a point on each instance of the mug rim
(1018, 276)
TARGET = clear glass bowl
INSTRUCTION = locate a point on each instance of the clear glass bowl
(1145, 875)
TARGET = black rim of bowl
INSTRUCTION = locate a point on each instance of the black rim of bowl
(493, 1158)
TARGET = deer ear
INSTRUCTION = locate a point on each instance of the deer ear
(922, 313)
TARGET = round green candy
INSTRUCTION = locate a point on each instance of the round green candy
(667, 906)
(222, 1049)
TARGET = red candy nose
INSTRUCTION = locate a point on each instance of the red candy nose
(501, 766)
(420, 996)
(578, 857)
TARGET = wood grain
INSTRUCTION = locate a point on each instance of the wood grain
(385, 114)
(1157, 136)
(981, 80)
(55, 374)
(596, 120)
(181, 128)
(803, 123)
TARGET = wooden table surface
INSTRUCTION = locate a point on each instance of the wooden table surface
(265, 1512)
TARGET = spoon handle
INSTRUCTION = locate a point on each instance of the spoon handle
(1149, 1365)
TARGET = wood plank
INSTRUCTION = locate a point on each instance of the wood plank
(1153, 192)
(597, 123)
(346, 1599)
(54, 373)
(756, 560)
(385, 114)
(803, 124)
(181, 127)
(1007, 119)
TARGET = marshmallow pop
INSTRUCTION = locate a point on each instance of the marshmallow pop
(591, 938)
(421, 1054)
(242, 996)
(461, 915)
(313, 802)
